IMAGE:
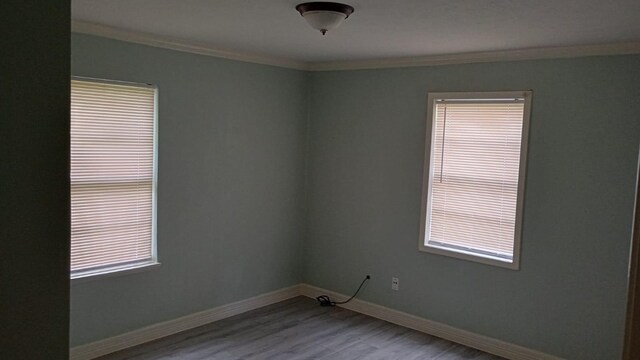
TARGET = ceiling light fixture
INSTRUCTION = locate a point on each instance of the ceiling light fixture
(324, 16)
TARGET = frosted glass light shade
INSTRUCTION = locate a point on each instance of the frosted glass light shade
(324, 20)
(324, 16)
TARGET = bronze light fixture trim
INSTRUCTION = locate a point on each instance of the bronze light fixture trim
(324, 16)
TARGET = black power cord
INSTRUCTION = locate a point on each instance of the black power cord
(325, 300)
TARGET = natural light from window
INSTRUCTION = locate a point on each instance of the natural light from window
(474, 176)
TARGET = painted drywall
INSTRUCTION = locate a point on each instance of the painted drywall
(230, 186)
(34, 180)
(366, 146)
(231, 198)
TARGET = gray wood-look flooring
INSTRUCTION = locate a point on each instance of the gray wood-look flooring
(301, 329)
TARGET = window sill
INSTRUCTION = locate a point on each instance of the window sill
(469, 256)
(113, 272)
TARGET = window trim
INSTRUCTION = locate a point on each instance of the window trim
(427, 175)
(136, 266)
(113, 271)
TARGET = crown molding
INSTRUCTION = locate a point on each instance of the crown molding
(623, 48)
(482, 57)
(89, 28)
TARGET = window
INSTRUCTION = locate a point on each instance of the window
(113, 176)
(474, 175)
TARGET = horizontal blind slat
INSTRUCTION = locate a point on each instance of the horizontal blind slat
(476, 153)
(112, 152)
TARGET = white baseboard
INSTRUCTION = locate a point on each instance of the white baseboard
(481, 342)
(160, 330)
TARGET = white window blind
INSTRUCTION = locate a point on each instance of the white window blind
(475, 176)
(112, 175)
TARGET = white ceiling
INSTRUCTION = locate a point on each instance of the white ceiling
(378, 29)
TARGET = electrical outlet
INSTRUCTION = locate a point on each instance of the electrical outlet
(395, 283)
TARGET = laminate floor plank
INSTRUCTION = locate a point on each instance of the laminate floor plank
(299, 329)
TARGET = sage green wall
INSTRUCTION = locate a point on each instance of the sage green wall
(232, 213)
(230, 186)
(367, 131)
(34, 179)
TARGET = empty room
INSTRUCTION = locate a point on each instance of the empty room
(275, 179)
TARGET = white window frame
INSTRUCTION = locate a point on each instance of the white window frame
(428, 177)
(139, 266)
